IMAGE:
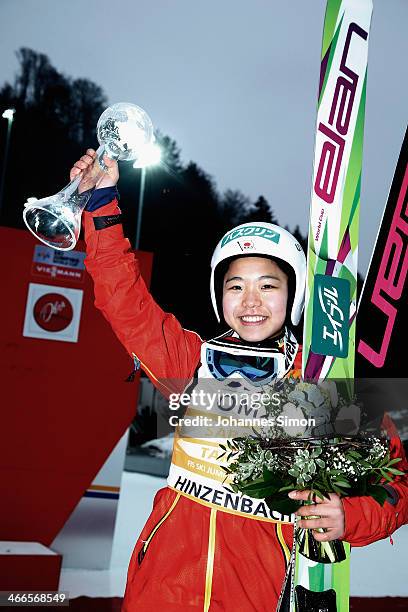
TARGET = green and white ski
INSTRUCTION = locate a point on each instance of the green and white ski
(330, 309)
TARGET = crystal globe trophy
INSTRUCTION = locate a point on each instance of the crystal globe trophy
(124, 130)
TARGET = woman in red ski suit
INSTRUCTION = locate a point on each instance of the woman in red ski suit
(190, 555)
(194, 554)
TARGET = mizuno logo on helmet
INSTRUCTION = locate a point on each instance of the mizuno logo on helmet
(251, 230)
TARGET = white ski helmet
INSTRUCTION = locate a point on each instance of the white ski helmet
(268, 240)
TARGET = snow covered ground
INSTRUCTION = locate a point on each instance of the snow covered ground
(378, 570)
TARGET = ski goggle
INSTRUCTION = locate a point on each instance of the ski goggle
(257, 369)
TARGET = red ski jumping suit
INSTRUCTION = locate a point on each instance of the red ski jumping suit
(195, 554)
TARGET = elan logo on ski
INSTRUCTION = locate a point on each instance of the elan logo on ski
(339, 118)
(252, 230)
(330, 334)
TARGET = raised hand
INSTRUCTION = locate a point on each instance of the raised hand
(91, 172)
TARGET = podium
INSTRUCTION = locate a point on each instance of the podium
(26, 566)
(65, 402)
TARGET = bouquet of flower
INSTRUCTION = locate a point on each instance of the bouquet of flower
(268, 466)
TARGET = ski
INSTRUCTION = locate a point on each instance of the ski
(331, 288)
(381, 330)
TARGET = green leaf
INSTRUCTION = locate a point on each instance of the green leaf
(256, 482)
(258, 488)
(395, 471)
(282, 505)
(289, 487)
(320, 495)
(378, 493)
(337, 490)
(261, 493)
(393, 461)
(354, 454)
(342, 483)
(270, 477)
(386, 476)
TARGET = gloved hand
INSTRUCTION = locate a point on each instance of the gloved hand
(105, 185)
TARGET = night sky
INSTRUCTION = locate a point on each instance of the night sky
(234, 82)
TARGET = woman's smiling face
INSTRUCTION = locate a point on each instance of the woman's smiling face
(254, 297)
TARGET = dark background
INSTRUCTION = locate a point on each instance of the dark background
(184, 215)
